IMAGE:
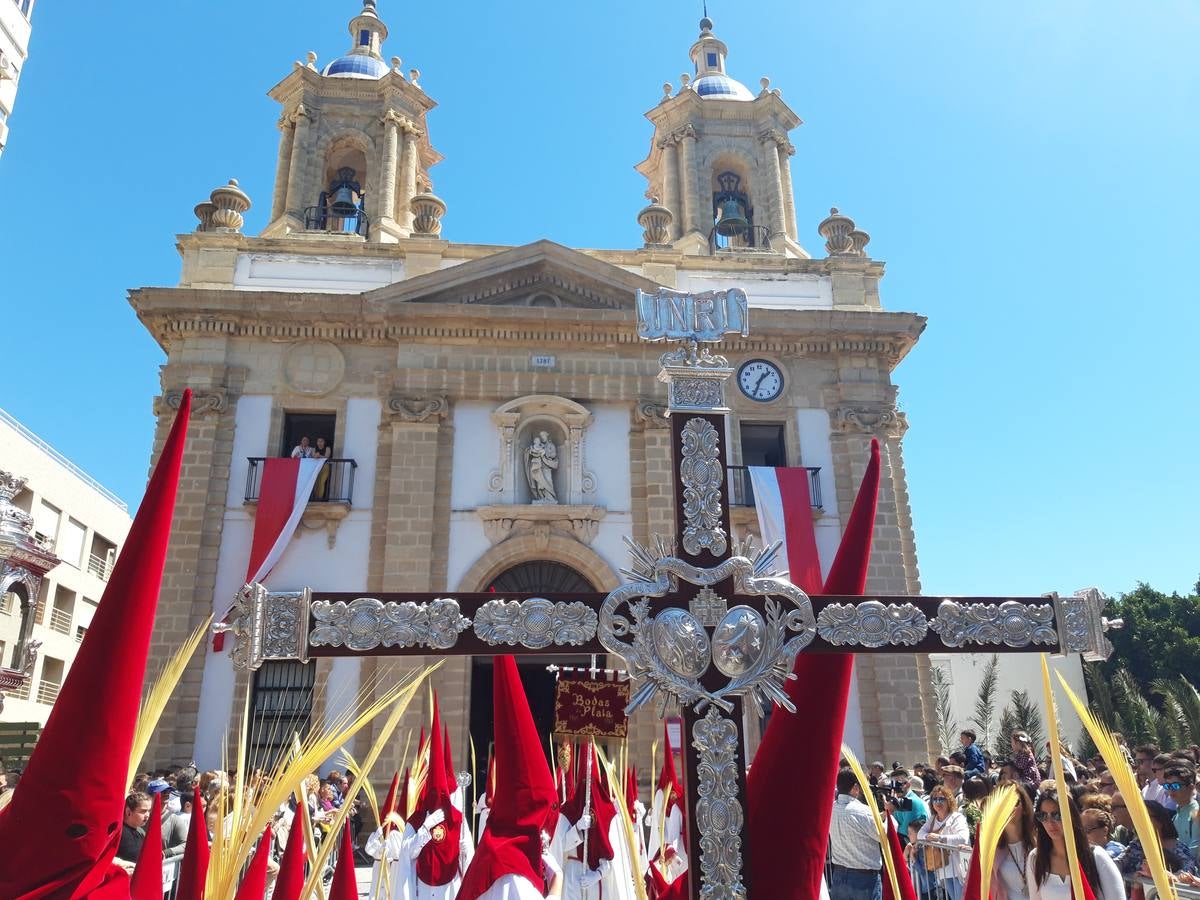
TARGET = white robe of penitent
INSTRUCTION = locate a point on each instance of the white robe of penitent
(512, 887)
(616, 880)
(386, 852)
(412, 887)
(665, 835)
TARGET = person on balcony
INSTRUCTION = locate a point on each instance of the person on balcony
(325, 452)
(302, 450)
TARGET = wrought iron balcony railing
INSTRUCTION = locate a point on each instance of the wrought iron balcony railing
(323, 218)
(751, 238)
(335, 484)
(741, 490)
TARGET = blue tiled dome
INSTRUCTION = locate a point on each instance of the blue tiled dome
(721, 87)
(358, 65)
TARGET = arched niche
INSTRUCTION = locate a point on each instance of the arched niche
(519, 424)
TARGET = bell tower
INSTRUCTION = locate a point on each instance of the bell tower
(720, 161)
(354, 151)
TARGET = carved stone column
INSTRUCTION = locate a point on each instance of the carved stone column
(408, 176)
(786, 150)
(295, 201)
(690, 206)
(287, 138)
(670, 185)
(771, 141)
(386, 211)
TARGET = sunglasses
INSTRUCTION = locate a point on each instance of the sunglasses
(1052, 816)
(1175, 785)
(1096, 828)
(938, 801)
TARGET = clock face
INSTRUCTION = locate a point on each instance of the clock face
(760, 380)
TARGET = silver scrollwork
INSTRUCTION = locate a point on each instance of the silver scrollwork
(367, 623)
(670, 651)
(871, 624)
(266, 625)
(701, 474)
(719, 813)
(1010, 623)
(535, 623)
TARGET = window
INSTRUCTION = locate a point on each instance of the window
(8, 603)
(364, 38)
(80, 631)
(45, 521)
(70, 542)
(280, 706)
(763, 444)
(712, 60)
(307, 425)
(52, 676)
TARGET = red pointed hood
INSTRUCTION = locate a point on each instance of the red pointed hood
(438, 861)
(448, 758)
(389, 803)
(345, 883)
(668, 780)
(903, 881)
(631, 791)
(603, 811)
(254, 883)
(147, 877)
(524, 801)
(61, 830)
(193, 871)
(290, 882)
(788, 831)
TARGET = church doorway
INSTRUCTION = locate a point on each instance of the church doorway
(534, 577)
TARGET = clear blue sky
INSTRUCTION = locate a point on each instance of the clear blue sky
(1026, 169)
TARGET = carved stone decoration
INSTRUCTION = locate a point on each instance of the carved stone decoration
(541, 462)
(719, 813)
(418, 409)
(880, 419)
(650, 414)
(314, 368)
(836, 229)
(204, 212)
(859, 240)
(266, 625)
(518, 423)
(581, 522)
(871, 624)
(1011, 623)
(205, 401)
(664, 651)
(656, 220)
(428, 210)
(229, 202)
(702, 475)
(697, 394)
(366, 623)
(535, 623)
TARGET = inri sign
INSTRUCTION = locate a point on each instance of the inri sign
(668, 315)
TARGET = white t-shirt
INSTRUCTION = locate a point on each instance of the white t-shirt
(1056, 887)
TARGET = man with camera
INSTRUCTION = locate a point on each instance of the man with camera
(905, 805)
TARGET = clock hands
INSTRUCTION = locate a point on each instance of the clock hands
(758, 383)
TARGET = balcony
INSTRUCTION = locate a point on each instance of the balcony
(741, 491)
(337, 487)
(47, 692)
(100, 566)
(60, 620)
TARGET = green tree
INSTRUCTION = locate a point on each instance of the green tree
(1161, 635)
(946, 726)
(985, 701)
(1021, 714)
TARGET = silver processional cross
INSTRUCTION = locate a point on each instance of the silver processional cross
(703, 628)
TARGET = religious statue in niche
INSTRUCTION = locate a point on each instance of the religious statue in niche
(541, 461)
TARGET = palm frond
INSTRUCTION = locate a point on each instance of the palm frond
(864, 785)
(160, 693)
(1060, 781)
(1127, 785)
(985, 700)
(996, 811)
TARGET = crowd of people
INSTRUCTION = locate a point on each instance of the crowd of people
(936, 810)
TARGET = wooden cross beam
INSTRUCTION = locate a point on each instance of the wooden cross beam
(704, 627)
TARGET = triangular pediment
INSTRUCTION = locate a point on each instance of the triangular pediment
(541, 274)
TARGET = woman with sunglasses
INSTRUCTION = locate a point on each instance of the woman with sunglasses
(1047, 872)
(946, 826)
(1016, 842)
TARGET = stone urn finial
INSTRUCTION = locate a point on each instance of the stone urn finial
(230, 202)
(656, 224)
(859, 239)
(836, 230)
(428, 210)
(204, 212)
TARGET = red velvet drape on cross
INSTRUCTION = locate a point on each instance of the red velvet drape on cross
(61, 830)
(791, 783)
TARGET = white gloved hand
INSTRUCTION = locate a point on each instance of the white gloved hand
(424, 836)
(553, 869)
(584, 823)
(605, 866)
(437, 817)
(589, 878)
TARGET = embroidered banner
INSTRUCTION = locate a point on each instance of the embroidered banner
(590, 707)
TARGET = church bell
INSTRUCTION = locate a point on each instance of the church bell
(732, 220)
(346, 198)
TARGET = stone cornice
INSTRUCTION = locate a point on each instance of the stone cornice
(174, 314)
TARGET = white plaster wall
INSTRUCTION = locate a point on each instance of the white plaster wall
(476, 440)
(764, 291)
(319, 274)
(610, 540)
(309, 561)
(1018, 672)
(467, 544)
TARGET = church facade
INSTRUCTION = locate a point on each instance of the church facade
(493, 419)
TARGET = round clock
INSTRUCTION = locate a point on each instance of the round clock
(760, 380)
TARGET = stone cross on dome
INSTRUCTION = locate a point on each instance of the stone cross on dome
(703, 628)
